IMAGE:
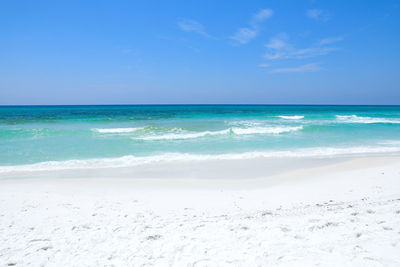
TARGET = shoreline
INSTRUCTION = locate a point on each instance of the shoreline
(246, 168)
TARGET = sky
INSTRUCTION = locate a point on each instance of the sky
(199, 52)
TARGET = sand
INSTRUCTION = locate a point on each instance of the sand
(342, 213)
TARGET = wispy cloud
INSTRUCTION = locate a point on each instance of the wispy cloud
(319, 14)
(259, 17)
(244, 35)
(189, 25)
(279, 48)
(313, 52)
(311, 67)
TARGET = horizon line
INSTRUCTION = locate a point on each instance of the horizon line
(215, 104)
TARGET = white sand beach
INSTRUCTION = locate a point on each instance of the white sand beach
(200, 133)
(334, 213)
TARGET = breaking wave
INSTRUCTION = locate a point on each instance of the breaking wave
(116, 130)
(130, 160)
(357, 119)
(230, 131)
(295, 117)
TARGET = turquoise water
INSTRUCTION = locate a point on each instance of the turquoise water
(46, 137)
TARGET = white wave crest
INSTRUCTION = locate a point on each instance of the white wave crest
(183, 135)
(117, 130)
(266, 130)
(357, 119)
(233, 131)
(246, 123)
(129, 161)
(295, 117)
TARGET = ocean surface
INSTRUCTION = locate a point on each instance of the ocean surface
(74, 137)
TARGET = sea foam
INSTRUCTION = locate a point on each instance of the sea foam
(266, 130)
(358, 119)
(294, 117)
(116, 130)
(130, 160)
(182, 135)
(230, 131)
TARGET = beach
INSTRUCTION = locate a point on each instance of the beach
(327, 212)
(196, 133)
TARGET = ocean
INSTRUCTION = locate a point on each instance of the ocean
(78, 137)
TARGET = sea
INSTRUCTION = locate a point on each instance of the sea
(44, 138)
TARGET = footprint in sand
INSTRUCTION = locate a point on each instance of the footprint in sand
(285, 229)
(153, 237)
(266, 213)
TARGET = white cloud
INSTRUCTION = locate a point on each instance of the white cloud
(189, 25)
(311, 67)
(318, 14)
(278, 42)
(244, 35)
(262, 15)
(330, 40)
(278, 48)
(313, 52)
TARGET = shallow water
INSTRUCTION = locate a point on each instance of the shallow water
(67, 137)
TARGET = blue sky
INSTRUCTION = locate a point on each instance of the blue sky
(176, 52)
